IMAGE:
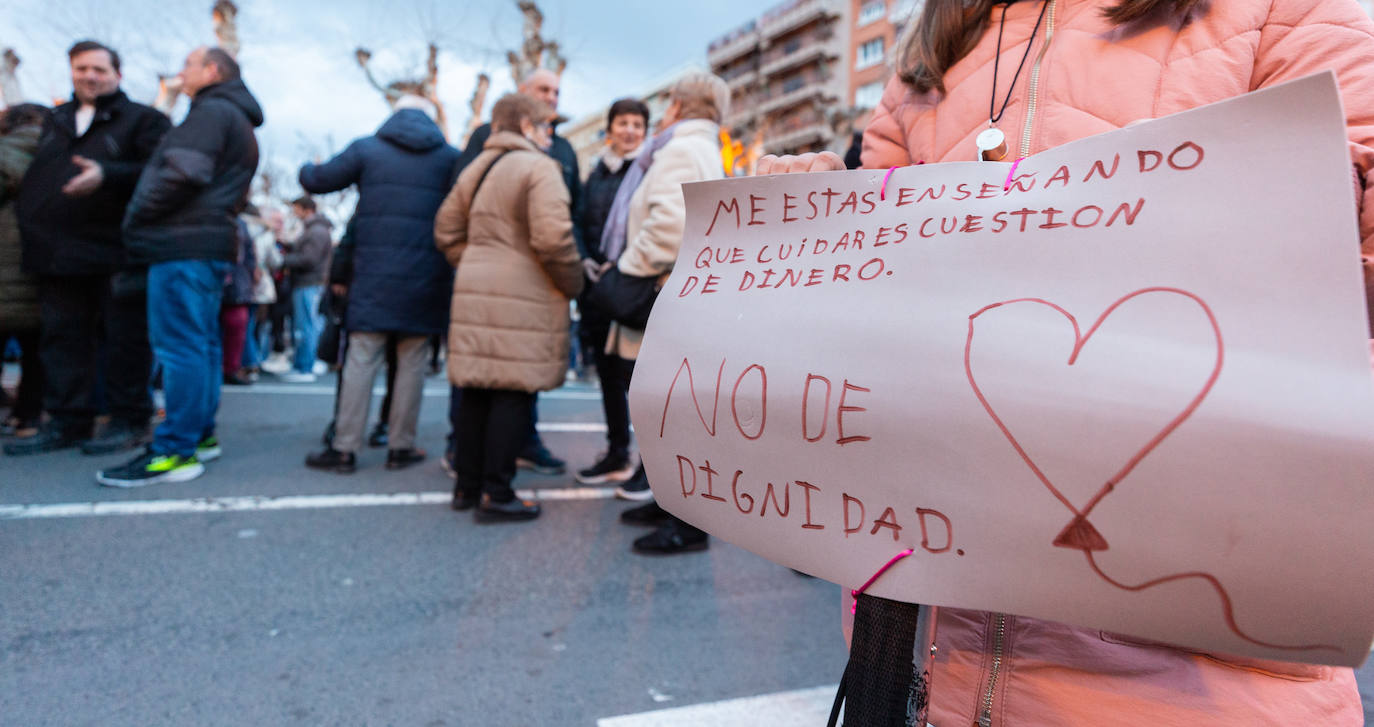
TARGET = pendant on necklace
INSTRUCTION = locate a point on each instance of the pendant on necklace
(992, 145)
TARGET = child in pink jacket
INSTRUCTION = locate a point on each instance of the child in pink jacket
(1093, 66)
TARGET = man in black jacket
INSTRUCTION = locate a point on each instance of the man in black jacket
(542, 84)
(69, 206)
(181, 224)
(308, 261)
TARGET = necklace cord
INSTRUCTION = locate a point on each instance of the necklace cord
(996, 61)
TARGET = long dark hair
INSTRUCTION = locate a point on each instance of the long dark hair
(949, 29)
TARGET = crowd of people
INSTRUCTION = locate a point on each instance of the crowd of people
(138, 254)
(134, 261)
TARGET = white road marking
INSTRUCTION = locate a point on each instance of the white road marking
(257, 503)
(783, 709)
(570, 427)
(323, 389)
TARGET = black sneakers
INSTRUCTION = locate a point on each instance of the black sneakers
(540, 459)
(332, 460)
(611, 468)
(151, 468)
(636, 489)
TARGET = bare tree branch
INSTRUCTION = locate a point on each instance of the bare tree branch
(224, 16)
(479, 99)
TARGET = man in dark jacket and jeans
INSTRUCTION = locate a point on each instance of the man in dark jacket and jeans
(308, 261)
(401, 284)
(69, 208)
(181, 223)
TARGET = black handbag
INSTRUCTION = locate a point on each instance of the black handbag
(628, 299)
(330, 347)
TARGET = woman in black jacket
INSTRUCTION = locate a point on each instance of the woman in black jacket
(626, 125)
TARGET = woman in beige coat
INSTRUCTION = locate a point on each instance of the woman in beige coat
(507, 228)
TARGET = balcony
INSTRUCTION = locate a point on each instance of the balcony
(796, 14)
(814, 89)
(742, 80)
(790, 141)
(732, 47)
(814, 51)
(741, 116)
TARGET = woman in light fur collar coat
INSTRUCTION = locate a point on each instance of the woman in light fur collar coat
(645, 241)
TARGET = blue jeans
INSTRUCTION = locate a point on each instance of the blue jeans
(308, 323)
(251, 357)
(183, 328)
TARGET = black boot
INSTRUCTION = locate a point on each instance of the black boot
(674, 537)
(397, 459)
(463, 500)
(332, 460)
(489, 511)
(51, 437)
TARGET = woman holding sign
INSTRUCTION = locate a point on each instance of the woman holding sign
(1003, 80)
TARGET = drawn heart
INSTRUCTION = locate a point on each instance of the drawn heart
(1080, 534)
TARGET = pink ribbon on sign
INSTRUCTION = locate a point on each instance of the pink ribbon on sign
(855, 593)
(882, 191)
(1011, 174)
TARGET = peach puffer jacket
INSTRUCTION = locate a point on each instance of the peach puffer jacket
(996, 669)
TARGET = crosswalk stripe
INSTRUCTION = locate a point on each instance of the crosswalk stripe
(783, 709)
(430, 392)
(262, 503)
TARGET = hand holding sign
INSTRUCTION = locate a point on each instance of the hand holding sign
(1075, 391)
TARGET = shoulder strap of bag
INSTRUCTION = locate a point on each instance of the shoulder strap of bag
(483, 178)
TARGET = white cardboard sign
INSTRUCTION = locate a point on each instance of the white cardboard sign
(1130, 391)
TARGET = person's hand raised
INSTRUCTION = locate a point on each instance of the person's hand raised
(87, 180)
(825, 161)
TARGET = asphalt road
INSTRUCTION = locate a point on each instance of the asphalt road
(407, 615)
(381, 615)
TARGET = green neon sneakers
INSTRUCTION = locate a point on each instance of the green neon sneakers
(151, 469)
(208, 450)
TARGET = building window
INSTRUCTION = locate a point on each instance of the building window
(870, 54)
(871, 11)
(793, 84)
(868, 95)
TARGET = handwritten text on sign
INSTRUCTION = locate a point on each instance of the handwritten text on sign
(1127, 388)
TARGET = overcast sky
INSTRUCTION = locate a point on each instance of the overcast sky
(298, 59)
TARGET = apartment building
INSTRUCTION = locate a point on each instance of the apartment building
(872, 41)
(788, 75)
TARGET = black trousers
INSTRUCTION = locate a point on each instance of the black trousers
(80, 315)
(492, 428)
(28, 401)
(615, 373)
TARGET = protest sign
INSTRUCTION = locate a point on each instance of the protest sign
(1128, 388)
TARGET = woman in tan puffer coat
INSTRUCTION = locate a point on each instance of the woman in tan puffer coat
(507, 228)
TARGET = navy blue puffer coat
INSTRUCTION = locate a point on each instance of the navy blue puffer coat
(401, 283)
